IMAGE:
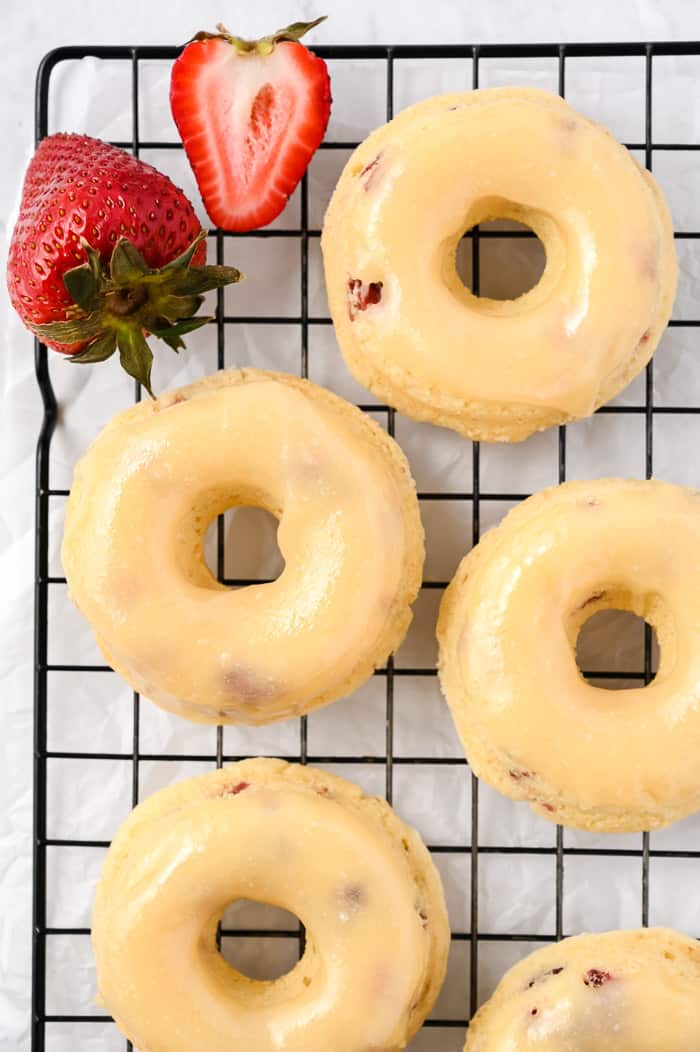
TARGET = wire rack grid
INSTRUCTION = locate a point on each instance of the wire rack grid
(441, 1030)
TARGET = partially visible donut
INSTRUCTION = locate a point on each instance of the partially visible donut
(497, 370)
(531, 725)
(623, 991)
(361, 881)
(350, 534)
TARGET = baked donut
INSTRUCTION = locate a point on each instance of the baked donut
(350, 533)
(531, 725)
(359, 879)
(623, 991)
(496, 369)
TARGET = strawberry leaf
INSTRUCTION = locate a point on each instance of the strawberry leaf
(99, 350)
(151, 319)
(82, 287)
(297, 30)
(172, 335)
(174, 342)
(127, 266)
(86, 283)
(94, 260)
(185, 258)
(120, 309)
(204, 279)
(175, 308)
(135, 355)
(265, 45)
(73, 331)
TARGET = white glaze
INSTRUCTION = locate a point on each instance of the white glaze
(488, 368)
(360, 880)
(623, 991)
(531, 725)
(350, 534)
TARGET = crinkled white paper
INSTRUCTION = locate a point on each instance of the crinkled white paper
(93, 712)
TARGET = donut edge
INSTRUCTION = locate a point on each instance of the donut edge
(370, 433)
(276, 772)
(654, 943)
(488, 421)
(484, 760)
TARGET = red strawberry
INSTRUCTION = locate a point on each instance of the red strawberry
(87, 206)
(251, 114)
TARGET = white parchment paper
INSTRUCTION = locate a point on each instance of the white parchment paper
(93, 712)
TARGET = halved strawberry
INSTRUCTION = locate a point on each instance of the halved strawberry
(251, 114)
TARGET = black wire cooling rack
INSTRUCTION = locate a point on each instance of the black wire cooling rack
(473, 496)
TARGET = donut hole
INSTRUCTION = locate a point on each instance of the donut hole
(259, 940)
(250, 551)
(512, 260)
(611, 646)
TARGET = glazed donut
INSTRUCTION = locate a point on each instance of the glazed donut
(492, 369)
(359, 879)
(531, 725)
(623, 991)
(350, 533)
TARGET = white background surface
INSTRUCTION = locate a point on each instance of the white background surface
(28, 29)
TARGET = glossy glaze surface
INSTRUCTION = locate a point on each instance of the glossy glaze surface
(349, 532)
(360, 880)
(409, 328)
(623, 991)
(531, 725)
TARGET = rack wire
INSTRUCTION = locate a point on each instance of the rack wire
(473, 496)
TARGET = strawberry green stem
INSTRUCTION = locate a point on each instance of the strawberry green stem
(115, 310)
(265, 45)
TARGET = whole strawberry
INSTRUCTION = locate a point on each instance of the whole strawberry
(105, 250)
(251, 114)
